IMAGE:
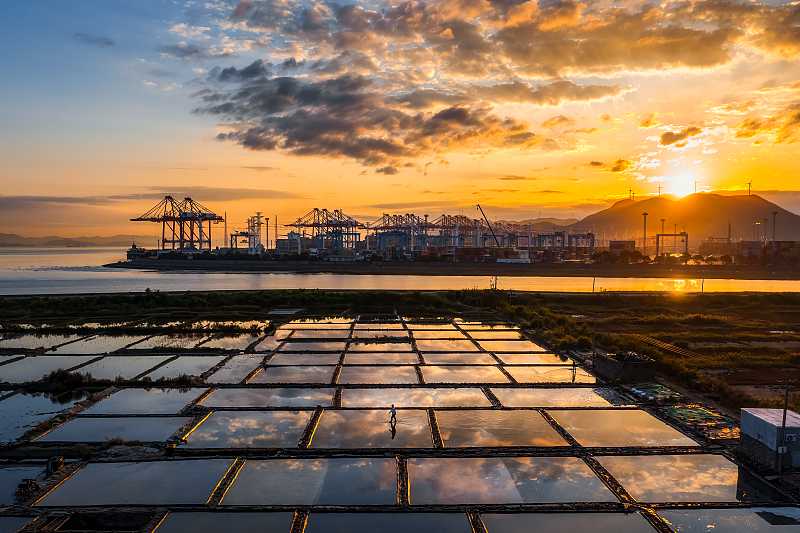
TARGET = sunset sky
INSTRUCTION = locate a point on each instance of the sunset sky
(280, 106)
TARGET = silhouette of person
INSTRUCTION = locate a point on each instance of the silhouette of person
(393, 419)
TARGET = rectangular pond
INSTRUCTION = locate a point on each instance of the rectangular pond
(380, 358)
(441, 397)
(372, 429)
(753, 520)
(33, 368)
(511, 346)
(550, 374)
(583, 397)
(619, 428)
(388, 522)
(294, 374)
(452, 335)
(235, 370)
(291, 359)
(497, 334)
(231, 342)
(384, 374)
(249, 429)
(191, 365)
(496, 428)
(506, 480)
(465, 345)
(463, 374)
(387, 334)
(474, 358)
(172, 341)
(676, 478)
(98, 344)
(124, 366)
(32, 342)
(321, 334)
(140, 483)
(269, 398)
(533, 359)
(145, 402)
(305, 346)
(217, 522)
(559, 522)
(379, 346)
(145, 429)
(360, 481)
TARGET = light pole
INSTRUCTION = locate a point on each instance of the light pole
(662, 232)
(774, 246)
(644, 235)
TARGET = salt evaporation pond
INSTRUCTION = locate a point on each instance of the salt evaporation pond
(268, 398)
(414, 398)
(145, 402)
(388, 522)
(372, 429)
(387, 374)
(253, 429)
(216, 522)
(619, 428)
(496, 428)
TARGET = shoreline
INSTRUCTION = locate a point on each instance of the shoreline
(387, 268)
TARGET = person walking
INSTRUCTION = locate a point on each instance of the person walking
(393, 420)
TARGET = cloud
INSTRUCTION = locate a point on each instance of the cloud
(262, 169)
(93, 40)
(620, 165)
(669, 137)
(191, 52)
(648, 121)
(784, 125)
(388, 170)
(558, 121)
(515, 177)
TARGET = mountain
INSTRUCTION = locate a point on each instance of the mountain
(8, 240)
(545, 224)
(701, 215)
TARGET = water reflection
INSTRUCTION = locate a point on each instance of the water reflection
(98, 344)
(388, 334)
(315, 482)
(231, 342)
(268, 398)
(560, 522)
(215, 522)
(145, 402)
(598, 397)
(676, 478)
(235, 370)
(754, 520)
(321, 334)
(149, 483)
(386, 374)
(10, 477)
(463, 374)
(32, 368)
(368, 358)
(189, 365)
(271, 429)
(377, 346)
(372, 429)
(477, 358)
(511, 346)
(388, 522)
(619, 428)
(550, 374)
(533, 359)
(126, 366)
(464, 345)
(21, 412)
(496, 428)
(498, 334)
(301, 346)
(145, 429)
(290, 359)
(438, 334)
(504, 480)
(32, 342)
(414, 398)
(294, 374)
(174, 341)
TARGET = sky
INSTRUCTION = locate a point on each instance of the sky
(549, 108)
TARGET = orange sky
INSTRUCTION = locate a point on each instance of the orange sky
(280, 106)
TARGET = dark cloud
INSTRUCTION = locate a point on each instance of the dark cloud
(93, 40)
(190, 52)
(388, 170)
(516, 177)
(620, 165)
(669, 137)
(558, 121)
(255, 70)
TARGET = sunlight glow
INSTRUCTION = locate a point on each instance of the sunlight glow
(682, 184)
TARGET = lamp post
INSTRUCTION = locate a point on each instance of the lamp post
(644, 235)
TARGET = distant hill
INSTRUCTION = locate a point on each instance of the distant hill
(702, 215)
(9, 240)
(545, 224)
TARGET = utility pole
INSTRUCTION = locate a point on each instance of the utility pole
(695, 186)
(781, 444)
(774, 245)
(659, 193)
(644, 235)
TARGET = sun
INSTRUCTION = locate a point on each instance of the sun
(682, 185)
